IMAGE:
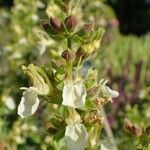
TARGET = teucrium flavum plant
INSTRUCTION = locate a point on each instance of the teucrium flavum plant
(63, 82)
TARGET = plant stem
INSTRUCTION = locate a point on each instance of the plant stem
(108, 129)
(69, 63)
(69, 44)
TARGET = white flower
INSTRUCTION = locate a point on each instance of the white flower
(111, 92)
(106, 90)
(104, 148)
(29, 102)
(76, 137)
(74, 94)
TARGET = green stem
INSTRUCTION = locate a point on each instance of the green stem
(108, 129)
(70, 70)
(94, 137)
(69, 44)
(69, 64)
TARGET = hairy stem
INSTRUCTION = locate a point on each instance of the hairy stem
(108, 129)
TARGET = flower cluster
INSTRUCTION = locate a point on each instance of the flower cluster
(61, 83)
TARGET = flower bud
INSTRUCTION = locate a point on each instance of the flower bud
(81, 53)
(37, 78)
(55, 23)
(71, 22)
(132, 129)
(68, 55)
(147, 130)
(65, 5)
(87, 27)
(45, 25)
(48, 28)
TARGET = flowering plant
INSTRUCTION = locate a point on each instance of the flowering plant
(66, 83)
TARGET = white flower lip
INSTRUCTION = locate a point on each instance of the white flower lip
(76, 137)
(112, 93)
(74, 94)
(29, 102)
(104, 148)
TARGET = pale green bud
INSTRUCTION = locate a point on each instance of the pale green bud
(36, 78)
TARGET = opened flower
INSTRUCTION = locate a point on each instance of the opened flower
(74, 94)
(111, 92)
(106, 92)
(30, 101)
(76, 136)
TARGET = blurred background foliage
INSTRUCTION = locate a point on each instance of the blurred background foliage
(123, 59)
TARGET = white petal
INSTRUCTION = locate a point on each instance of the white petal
(112, 93)
(76, 137)
(29, 102)
(104, 148)
(74, 94)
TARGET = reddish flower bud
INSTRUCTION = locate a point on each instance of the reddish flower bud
(45, 25)
(136, 130)
(132, 129)
(87, 27)
(71, 22)
(55, 23)
(68, 55)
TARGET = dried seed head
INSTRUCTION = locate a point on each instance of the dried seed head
(68, 55)
(100, 101)
(95, 117)
(55, 23)
(71, 22)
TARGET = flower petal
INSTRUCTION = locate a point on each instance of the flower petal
(76, 137)
(29, 102)
(74, 94)
(104, 148)
(111, 92)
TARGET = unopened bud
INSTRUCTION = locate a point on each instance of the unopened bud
(55, 23)
(71, 22)
(147, 130)
(45, 25)
(48, 28)
(132, 129)
(68, 55)
(81, 53)
(87, 27)
(65, 5)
